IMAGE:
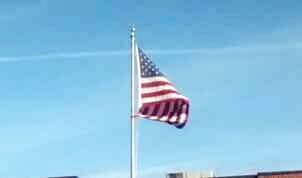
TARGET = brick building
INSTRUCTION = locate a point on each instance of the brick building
(282, 174)
(279, 174)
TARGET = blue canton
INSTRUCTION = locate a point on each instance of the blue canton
(148, 68)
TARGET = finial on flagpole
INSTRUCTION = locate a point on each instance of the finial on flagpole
(132, 30)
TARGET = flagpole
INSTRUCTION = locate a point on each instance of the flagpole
(133, 128)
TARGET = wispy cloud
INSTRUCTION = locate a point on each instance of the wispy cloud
(64, 55)
(83, 54)
(239, 48)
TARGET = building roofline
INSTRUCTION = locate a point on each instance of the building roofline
(237, 176)
(64, 177)
(279, 172)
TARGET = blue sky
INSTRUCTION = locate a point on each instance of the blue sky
(64, 95)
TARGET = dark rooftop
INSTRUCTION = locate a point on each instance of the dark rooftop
(65, 177)
(280, 172)
(274, 174)
(238, 176)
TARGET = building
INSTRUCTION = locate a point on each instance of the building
(190, 174)
(279, 174)
(65, 177)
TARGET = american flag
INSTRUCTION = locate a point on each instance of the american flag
(160, 100)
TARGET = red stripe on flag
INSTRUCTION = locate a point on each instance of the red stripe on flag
(155, 84)
(166, 100)
(167, 105)
(155, 111)
(174, 111)
(144, 110)
(154, 94)
(180, 111)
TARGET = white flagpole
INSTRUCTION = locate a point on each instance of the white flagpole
(133, 118)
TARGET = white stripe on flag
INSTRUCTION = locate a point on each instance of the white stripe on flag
(158, 89)
(182, 119)
(154, 79)
(183, 115)
(163, 97)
